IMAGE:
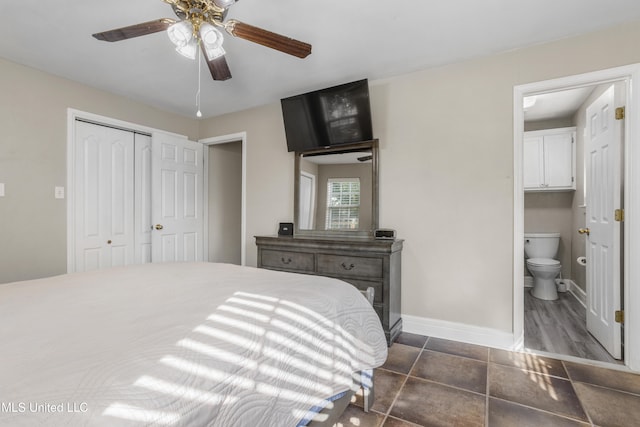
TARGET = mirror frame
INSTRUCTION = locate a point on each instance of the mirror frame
(361, 146)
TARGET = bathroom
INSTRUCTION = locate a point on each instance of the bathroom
(559, 120)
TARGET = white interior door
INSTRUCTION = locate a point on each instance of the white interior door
(603, 242)
(177, 195)
(307, 201)
(104, 204)
(143, 199)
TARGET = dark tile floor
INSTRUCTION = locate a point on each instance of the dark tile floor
(436, 382)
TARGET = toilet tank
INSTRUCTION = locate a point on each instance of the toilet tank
(541, 245)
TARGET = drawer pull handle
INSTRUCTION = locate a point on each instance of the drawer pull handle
(286, 261)
(348, 267)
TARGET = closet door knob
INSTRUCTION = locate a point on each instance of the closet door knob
(584, 231)
(159, 227)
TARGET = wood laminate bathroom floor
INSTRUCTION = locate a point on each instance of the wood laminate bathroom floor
(560, 327)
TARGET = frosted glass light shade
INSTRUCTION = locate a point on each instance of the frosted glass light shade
(189, 50)
(181, 35)
(212, 40)
(224, 3)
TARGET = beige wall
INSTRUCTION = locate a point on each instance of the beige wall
(33, 121)
(446, 170)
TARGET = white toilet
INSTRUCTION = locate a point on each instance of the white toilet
(540, 250)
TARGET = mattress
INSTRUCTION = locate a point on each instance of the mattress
(181, 344)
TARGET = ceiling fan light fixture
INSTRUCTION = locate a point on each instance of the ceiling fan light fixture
(189, 50)
(211, 36)
(180, 33)
(224, 3)
(212, 40)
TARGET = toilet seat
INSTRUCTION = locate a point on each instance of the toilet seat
(543, 262)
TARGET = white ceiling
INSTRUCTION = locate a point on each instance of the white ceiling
(556, 105)
(352, 39)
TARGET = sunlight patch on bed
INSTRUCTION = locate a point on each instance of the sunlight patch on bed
(229, 337)
(202, 371)
(253, 304)
(296, 359)
(183, 392)
(245, 313)
(238, 324)
(223, 355)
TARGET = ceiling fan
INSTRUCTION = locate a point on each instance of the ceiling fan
(198, 25)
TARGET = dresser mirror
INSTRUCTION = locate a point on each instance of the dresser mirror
(336, 190)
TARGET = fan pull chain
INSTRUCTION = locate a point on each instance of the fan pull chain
(199, 113)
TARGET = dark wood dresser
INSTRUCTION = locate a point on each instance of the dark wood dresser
(363, 262)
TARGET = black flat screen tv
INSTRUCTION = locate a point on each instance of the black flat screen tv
(327, 117)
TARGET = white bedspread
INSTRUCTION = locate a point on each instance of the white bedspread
(180, 344)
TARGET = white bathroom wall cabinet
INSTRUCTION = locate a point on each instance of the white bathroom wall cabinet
(550, 160)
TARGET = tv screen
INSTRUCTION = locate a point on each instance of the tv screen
(332, 116)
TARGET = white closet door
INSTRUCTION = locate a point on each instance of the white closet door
(177, 197)
(104, 208)
(143, 198)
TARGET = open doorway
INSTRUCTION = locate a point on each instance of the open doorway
(225, 198)
(573, 170)
(530, 215)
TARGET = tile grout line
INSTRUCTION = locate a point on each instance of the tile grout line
(486, 400)
(586, 413)
(406, 378)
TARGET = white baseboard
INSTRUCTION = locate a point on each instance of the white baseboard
(577, 292)
(458, 332)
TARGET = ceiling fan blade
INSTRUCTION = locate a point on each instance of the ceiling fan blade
(135, 30)
(218, 66)
(268, 39)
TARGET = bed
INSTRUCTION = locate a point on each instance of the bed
(181, 344)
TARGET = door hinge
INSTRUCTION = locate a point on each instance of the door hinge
(619, 316)
(619, 215)
(620, 113)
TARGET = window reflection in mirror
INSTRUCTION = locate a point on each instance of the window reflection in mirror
(336, 191)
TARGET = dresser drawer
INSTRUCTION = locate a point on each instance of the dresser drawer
(348, 266)
(364, 284)
(283, 260)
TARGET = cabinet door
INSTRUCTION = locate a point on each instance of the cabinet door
(558, 161)
(533, 167)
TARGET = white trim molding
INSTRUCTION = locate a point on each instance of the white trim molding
(223, 139)
(458, 332)
(631, 273)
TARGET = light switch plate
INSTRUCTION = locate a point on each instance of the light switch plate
(59, 192)
(1, 189)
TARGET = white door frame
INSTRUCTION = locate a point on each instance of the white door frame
(223, 139)
(72, 115)
(631, 250)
